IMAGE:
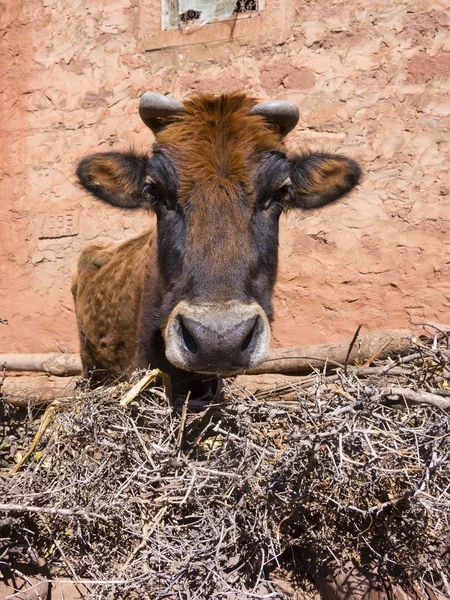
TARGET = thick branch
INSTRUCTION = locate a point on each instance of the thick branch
(19, 391)
(303, 359)
(52, 363)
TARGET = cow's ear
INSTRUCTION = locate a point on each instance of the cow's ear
(318, 179)
(115, 177)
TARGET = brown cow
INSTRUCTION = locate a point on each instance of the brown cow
(193, 294)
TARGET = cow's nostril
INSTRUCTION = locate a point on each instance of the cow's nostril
(248, 338)
(188, 338)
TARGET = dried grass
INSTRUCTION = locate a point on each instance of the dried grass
(144, 502)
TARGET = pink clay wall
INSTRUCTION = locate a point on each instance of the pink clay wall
(371, 79)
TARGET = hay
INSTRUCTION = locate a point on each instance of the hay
(145, 501)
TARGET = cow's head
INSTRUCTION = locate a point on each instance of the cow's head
(218, 179)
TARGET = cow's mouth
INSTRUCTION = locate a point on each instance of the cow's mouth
(206, 391)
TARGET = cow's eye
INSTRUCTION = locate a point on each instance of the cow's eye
(281, 194)
(154, 192)
(150, 188)
(286, 188)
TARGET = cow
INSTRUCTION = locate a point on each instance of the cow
(192, 295)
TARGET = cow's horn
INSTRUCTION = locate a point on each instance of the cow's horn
(279, 112)
(155, 109)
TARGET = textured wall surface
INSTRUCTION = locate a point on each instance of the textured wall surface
(371, 79)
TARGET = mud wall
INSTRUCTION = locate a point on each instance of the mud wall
(371, 79)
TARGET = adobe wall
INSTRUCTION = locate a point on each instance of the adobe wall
(371, 79)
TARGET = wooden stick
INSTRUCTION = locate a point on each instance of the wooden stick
(37, 390)
(53, 363)
(420, 397)
(303, 359)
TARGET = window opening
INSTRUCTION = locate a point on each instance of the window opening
(244, 6)
(179, 14)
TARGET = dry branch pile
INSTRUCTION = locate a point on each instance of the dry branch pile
(147, 502)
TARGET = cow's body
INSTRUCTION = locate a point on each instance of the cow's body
(108, 320)
(192, 296)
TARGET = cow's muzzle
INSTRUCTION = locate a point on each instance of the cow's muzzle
(217, 338)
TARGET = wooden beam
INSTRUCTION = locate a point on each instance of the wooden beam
(294, 360)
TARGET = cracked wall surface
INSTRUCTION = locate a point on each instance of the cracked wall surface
(371, 79)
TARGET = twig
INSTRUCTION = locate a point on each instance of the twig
(350, 348)
(142, 443)
(141, 385)
(417, 397)
(48, 510)
(3, 376)
(182, 423)
(147, 529)
(46, 420)
(66, 561)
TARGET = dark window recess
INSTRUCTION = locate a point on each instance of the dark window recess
(190, 15)
(242, 6)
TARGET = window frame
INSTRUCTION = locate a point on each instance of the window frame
(241, 25)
